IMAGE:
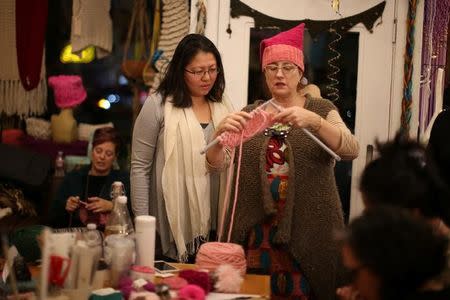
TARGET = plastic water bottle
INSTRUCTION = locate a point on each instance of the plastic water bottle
(59, 165)
(119, 220)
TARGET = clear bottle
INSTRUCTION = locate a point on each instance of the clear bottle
(117, 189)
(119, 220)
(59, 165)
(94, 241)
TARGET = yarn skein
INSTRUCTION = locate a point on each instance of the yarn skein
(214, 254)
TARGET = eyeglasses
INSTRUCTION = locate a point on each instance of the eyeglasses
(201, 73)
(287, 69)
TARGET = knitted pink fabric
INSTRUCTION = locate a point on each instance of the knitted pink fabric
(287, 45)
(68, 90)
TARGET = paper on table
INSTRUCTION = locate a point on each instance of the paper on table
(221, 296)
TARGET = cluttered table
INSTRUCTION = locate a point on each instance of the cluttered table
(252, 285)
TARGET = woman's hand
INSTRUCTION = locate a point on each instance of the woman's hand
(299, 117)
(72, 203)
(234, 122)
(347, 293)
(99, 205)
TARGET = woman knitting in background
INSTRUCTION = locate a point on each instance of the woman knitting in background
(169, 179)
(287, 213)
(84, 195)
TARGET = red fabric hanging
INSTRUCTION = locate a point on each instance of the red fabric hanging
(31, 25)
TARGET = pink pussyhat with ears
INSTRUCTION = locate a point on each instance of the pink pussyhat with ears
(68, 90)
(286, 45)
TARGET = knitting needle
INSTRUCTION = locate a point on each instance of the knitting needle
(216, 140)
(312, 136)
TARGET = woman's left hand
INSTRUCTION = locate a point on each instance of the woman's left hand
(299, 117)
(99, 205)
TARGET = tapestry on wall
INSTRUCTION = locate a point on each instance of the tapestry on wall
(23, 90)
(336, 27)
(367, 18)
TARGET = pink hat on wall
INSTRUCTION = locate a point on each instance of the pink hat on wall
(68, 90)
(286, 45)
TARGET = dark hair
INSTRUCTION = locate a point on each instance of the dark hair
(107, 134)
(402, 251)
(438, 148)
(174, 84)
(402, 176)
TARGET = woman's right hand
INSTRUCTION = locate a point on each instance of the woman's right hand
(234, 122)
(72, 203)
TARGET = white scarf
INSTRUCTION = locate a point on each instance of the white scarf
(185, 179)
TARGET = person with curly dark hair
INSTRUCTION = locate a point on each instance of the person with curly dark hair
(403, 176)
(438, 147)
(391, 255)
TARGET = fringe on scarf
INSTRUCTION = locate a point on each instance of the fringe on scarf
(192, 248)
(15, 100)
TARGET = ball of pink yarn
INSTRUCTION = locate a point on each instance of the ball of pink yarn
(191, 292)
(211, 255)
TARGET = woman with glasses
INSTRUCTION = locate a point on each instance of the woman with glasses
(169, 176)
(286, 214)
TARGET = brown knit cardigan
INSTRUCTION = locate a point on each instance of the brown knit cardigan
(313, 210)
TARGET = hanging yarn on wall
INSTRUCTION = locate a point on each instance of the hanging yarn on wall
(201, 17)
(332, 86)
(408, 68)
(174, 27)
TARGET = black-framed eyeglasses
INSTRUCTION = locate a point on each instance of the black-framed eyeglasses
(201, 73)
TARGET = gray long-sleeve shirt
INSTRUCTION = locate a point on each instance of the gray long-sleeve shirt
(147, 162)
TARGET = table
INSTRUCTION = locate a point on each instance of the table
(253, 284)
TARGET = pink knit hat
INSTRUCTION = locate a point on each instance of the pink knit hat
(68, 90)
(286, 45)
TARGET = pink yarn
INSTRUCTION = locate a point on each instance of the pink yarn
(214, 254)
(191, 292)
(68, 90)
(175, 283)
(198, 278)
(259, 121)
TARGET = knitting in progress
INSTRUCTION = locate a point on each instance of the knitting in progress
(259, 121)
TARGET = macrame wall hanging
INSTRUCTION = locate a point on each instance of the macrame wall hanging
(336, 28)
(23, 90)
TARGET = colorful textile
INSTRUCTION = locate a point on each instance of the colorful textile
(14, 98)
(264, 255)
